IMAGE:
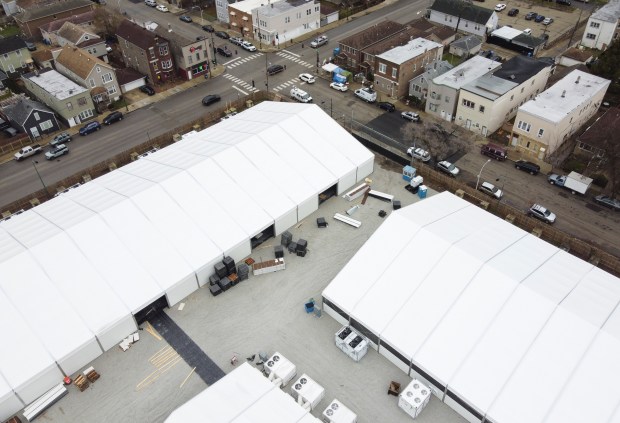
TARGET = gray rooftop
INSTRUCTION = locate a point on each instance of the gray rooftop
(20, 111)
(465, 10)
(608, 13)
(412, 49)
(490, 86)
(466, 72)
(275, 9)
(521, 68)
(56, 84)
(466, 43)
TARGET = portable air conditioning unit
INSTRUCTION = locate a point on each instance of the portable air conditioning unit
(414, 398)
(336, 412)
(307, 392)
(279, 369)
(351, 343)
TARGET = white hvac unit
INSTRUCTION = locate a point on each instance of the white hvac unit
(279, 369)
(336, 412)
(307, 392)
(414, 398)
(351, 343)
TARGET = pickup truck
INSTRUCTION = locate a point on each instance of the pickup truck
(57, 151)
(574, 182)
(27, 152)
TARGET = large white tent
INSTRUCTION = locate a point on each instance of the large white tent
(242, 396)
(502, 325)
(78, 268)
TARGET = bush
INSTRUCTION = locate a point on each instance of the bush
(573, 165)
(600, 180)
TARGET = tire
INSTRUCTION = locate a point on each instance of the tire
(552, 183)
(518, 167)
(120, 118)
(532, 172)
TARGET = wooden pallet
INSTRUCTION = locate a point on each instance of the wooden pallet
(81, 382)
(92, 376)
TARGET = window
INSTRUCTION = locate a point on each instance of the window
(524, 126)
(522, 89)
(394, 72)
(18, 53)
(190, 59)
(316, 9)
(469, 104)
(86, 114)
(447, 99)
(5, 55)
(540, 132)
(69, 106)
(92, 83)
(512, 97)
(98, 69)
(382, 68)
(166, 64)
(163, 50)
(46, 125)
(152, 52)
(81, 101)
(11, 68)
(481, 109)
(432, 107)
(590, 36)
(198, 57)
(155, 67)
(595, 25)
(36, 116)
(106, 77)
(287, 19)
(111, 89)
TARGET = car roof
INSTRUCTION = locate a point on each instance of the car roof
(488, 185)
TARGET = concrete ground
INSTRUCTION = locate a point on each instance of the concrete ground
(265, 313)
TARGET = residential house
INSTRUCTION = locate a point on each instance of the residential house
(35, 16)
(240, 16)
(599, 140)
(397, 66)
(543, 124)
(602, 27)
(129, 79)
(278, 23)
(574, 56)
(329, 13)
(441, 34)
(146, 52)
(351, 49)
(83, 38)
(466, 46)
(418, 86)
(221, 10)
(71, 102)
(14, 56)
(49, 31)
(89, 72)
(492, 99)
(192, 57)
(463, 16)
(31, 117)
(444, 90)
(42, 58)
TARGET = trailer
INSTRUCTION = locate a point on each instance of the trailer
(577, 183)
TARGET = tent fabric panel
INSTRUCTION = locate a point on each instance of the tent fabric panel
(123, 183)
(346, 181)
(204, 211)
(30, 228)
(365, 168)
(94, 197)
(25, 368)
(595, 298)
(307, 207)
(490, 363)
(487, 241)
(62, 212)
(116, 331)
(9, 246)
(49, 315)
(591, 394)
(236, 203)
(451, 229)
(80, 357)
(523, 257)
(132, 283)
(80, 283)
(285, 221)
(465, 322)
(175, 157)
(433, 209)
(9, 402)
(150, 169)
(275, 405)
(181, 289)
(197, 145)
(544, 370)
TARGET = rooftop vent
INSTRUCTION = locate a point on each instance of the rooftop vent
(563, 93)
(512, 77)
(578, 78)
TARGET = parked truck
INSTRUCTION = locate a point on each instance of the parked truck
(574, 182)
(25, 152)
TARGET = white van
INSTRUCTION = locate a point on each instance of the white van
(151, 3)
(527, 31)
(300, 95)
(366, 94)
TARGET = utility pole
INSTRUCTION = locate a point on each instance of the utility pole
(34, 163)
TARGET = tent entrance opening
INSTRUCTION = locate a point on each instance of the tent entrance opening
(150, 310)
(267, 233)
(328, 193)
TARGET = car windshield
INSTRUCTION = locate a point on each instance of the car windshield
(546, 212)
(451, 167)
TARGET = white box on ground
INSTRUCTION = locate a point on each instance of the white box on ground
(414, 398)
(306, 391)
(279, 367)
(336, 412)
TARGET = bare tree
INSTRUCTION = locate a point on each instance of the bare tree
(441, 140)
(107, 20)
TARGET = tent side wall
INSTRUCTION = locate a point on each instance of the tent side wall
(285, 221)
(394, 357)
(9, 404)
(35, 387)
(110, 336)
(465, 410)
(347, 181)
(85, 354)
(365, 169)
(181, 289)
(306, 208)
(333, 310)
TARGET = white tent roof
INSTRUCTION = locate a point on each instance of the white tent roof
(242, 396)
(515, 327)
(110, 247)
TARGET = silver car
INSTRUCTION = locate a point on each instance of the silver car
(418, 153)
(490, 189)
(448, 168)
(541, 213)
(607, 201)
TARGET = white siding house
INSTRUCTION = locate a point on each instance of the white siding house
(602, 27)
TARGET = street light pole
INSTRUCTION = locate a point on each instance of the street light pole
(480, 173)
(34, 163)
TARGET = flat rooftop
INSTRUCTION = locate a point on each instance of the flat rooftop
(264, 313)
(412, 49)
(246, 6)
(490, 86)
(466, 72)
(56, 84)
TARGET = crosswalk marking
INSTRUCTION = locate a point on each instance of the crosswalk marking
(295, 58)
(287, 84)
(239, 61)
(240, 82)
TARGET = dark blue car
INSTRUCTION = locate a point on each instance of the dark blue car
(90, 127)
(539, 18)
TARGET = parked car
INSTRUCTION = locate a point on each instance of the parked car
(530, 15)
(307, 78)
(494, 151)
(500, 7)
(527, 31)
(248, 46)
(186, 18)
(448, 168)
(513, 12)
(273, 69)
(388, 107)
(413, 117)
(418, 153)
(547, 21)
(210, 99)
(236, 40)
(338, 86)
(112, 117)
(151, 3)
(529, 167)
(30, 46)
(563, 2)
(223, 50)
(539, 18)
(540, 212)
(222, 34)
(147, 90)
(490, 189)
(57, 151)
(161, 8)
(319, 41)
(208, 28)
(61, 138)
(607, 201)
(90, 127)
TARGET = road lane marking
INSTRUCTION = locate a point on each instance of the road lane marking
(289, 52)
(240, 90)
